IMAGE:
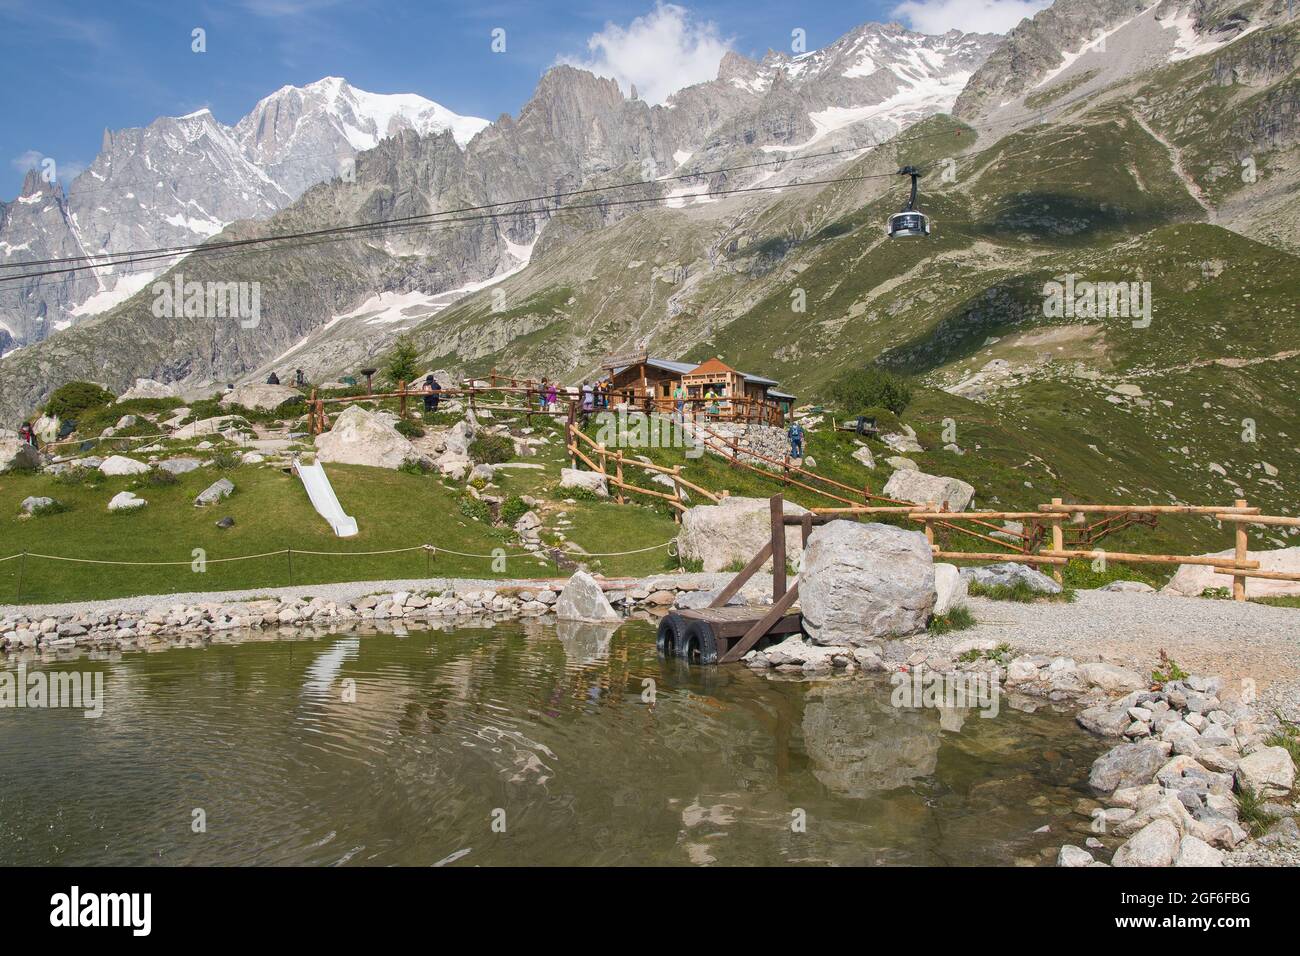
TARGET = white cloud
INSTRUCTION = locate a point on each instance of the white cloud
(27, 160)
(660, 53)
(971, 16)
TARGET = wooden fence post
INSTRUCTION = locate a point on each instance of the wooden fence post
(930, 508)
(1058, 540)
(312, 412)
(401, 387)
(778, 546)
(618, 475)
(677, 492)
(1239, 580)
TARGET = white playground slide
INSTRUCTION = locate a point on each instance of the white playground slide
(324, 500)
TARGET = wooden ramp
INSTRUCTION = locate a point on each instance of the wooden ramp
(723, 633)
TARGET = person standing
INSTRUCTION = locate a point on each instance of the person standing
(432, 394)
(795, 434)
(552, 396)
(679, 399)
(27, 434)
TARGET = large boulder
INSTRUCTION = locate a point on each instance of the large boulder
(1156, 844)
(47, 428)
(920, 488)
(206, 426)
(265, 397)
(1191, 580)
(361, 438)
(148, 388)
(949, 589)
(1128, 765)
(34, 503)
(864, 457)
(592, 481)
(1269, 772)
(864, 582)
(731, 532)
(583, 600)
(17, 456)
(1009, 574)
(125, 501)
(117, 465)
(179, 466)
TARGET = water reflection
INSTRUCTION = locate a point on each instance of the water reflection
(397, 746)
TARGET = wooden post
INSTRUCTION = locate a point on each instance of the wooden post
(929, 528)
(401, 406)
(311, 415)
(1058, 541)
(618, 474)
(1239, 580)
(778, 546)
(677, 492)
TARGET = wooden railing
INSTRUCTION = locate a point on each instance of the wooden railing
(599, 461)
(318, 421)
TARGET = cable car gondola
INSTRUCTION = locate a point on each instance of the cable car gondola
(911, 221)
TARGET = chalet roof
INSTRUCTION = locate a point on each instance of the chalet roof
(681, 368)
(773, 393)
(713, 365)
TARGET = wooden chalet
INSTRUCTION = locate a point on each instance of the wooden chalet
(714, 390)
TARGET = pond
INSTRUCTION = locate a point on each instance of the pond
(519, 743)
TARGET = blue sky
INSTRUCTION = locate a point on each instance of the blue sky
(70, 68)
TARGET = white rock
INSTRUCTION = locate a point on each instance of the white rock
(864, 457)
(583, 600)
(1073, 856)
(361, 438)
(950, 589)
(147, 388)
(733, 531)
(920, 488)
(125, 501)
(265, 397)
(1193, 851)
(1190, 580)
(592, 481)
(1156, 844)
(864, 582)
(1112, 679)
(1269, 772)
(117, 465)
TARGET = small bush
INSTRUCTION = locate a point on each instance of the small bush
(77, 476)
(408, 429)
(861, 388)
(225, 459)
(491, 449)
(159, 478)
(53, 508)
(512, 510)
(1168, 670)
(475, 509)
(1253, 812)
(70, 400)
(957, 619)
(1287, 737)
(414, 466)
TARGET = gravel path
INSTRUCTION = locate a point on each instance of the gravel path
(1228, 638)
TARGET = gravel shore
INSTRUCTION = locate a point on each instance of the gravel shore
(1232, 639)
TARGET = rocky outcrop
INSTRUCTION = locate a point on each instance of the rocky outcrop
(359, 437)
(948, 494)
(731, 532)
(147, 388)
(864, 582)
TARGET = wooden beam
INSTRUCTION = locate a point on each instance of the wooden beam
(765, 624)
(1241, 553)
(777, 505)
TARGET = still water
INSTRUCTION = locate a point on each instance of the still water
(513, 744)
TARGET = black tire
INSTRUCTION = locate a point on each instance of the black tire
(669, 637)
(700, 645)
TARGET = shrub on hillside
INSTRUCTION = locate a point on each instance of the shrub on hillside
(491, 449)
(400, 365)
(512, 510)
(69, 401)
(408, 429)
(861, 388)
